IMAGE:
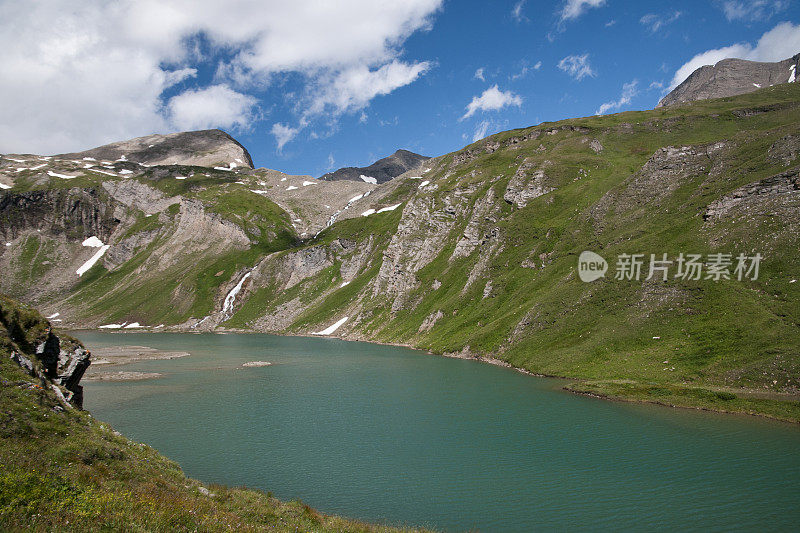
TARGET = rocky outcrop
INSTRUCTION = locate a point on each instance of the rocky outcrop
(772, 194)
(523, 188)
(381, 171)
(59, 363)
(206, 148)
(731, 77)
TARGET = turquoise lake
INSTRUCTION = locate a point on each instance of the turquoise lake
(394, 435)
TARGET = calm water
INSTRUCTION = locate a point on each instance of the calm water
(394, 435)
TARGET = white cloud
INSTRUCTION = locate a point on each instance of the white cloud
(331, 162)
(284, 133)
(516, 11)
(479, 74)
(215, 106)
(97, 71)
(352, 89)
(752, 10)
(781, 42)
(481, 130)
(575, 8)
(656, 22)
(492, 99)
(537, 66)
(577, 66)
(629, 90)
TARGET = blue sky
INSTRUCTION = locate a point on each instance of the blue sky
(346, 87)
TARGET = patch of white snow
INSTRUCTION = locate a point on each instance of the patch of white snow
(424, 183)
(291, 188)
(133, 325)
(94, 259)
(307, 183)
(369, 179)
(57, 175)
(390, 208)
(329, 330)
(231, 297)
(368, 212)
(93, 241)
(54, 315)
(4, 186)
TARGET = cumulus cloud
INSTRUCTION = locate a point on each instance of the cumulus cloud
(656, 22)
(779, 43)
(573, 9)
(577, 66)
(492, 99)
(103, 71)
(629, 90)
(752, 10)
(215, 106)
(479, 74)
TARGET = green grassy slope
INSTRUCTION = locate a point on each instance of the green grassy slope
(690, 336)
(62, 469)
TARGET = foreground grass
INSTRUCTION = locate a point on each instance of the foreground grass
(63, 470)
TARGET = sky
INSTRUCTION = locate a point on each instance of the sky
(309, 86)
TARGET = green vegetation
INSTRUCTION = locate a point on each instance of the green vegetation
(64, 470)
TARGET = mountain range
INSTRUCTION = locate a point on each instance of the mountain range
(470, 254)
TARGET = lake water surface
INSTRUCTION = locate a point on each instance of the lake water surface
(394, 435)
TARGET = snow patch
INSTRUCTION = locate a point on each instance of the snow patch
(133, 325)
(110, 326)
(16, 160)
(291, 188)
(8, 244)
(180, 177)
(390, 208)
(756, 85)
(259, 191)
(791, 76)
(369, 179)
(424, 183)
(355, 199)
(415, 177)
(54, 315)
(231, 297)
(283, 179)
(368, 212)
(126, 171)
(307, 183)
(92, 241)
(4, 186)
(330, 329)
(104, 172)
(89, 159)
(57, 175)
(94, 259)
(37, 167)
(345, 284)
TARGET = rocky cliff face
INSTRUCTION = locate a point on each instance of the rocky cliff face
(731, 77)
(206, 148)
(380, 171)
(59, 363)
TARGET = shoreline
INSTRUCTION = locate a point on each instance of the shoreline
(486, 360)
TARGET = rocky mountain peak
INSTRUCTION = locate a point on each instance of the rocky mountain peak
(207, 148)
(731, 77)
(380, 171)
